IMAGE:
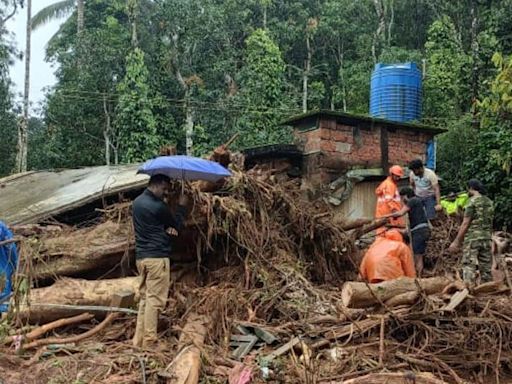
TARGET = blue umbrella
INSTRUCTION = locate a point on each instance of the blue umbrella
(184, 168)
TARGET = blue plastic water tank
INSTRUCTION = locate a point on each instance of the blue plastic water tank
(395, 92)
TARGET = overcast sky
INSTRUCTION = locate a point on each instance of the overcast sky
(41, 73)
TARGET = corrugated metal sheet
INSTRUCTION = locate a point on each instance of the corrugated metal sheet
(361, 203)
(34, 196)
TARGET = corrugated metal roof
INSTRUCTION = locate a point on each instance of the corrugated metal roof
(35, 196)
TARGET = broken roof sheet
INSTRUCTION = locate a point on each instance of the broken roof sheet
(35, 196)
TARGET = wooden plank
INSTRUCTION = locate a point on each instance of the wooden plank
(283, 349)
(457, 298)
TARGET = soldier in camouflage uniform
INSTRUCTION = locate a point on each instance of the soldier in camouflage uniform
(475, 235)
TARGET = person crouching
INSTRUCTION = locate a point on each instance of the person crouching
(387, 258)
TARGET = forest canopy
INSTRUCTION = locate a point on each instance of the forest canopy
(134, 75)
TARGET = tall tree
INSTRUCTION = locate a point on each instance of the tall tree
(21, 155)
(135, 120)
(446, 61)
(8, 127)
(262, 91)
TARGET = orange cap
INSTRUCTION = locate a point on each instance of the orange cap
(394, 234)
(396, 170)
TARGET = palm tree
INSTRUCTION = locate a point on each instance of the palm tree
(21, 154)
(59, 10)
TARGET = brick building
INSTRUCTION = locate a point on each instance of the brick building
(334, 142)
(338, 144)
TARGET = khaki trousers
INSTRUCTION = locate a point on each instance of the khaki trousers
(154, 289)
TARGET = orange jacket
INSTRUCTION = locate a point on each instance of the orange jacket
(386, 260)
(388, 201)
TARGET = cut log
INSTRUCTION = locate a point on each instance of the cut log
(186, 366)
(82, 251)
(407, 298)
(73, 292)
(362, 295)
(387, 378)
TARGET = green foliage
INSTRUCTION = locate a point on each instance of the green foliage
(484, 151)
(454, 150)
(135, 120)
(262, 92)
(240, 78)
(493, 152)
(445, 63)
(8, 126)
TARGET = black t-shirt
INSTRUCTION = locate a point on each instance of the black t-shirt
(151, 218)
(417, 213)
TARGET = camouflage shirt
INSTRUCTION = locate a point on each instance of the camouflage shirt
(480, 209)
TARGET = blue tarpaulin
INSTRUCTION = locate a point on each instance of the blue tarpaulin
(8, 262)
(431, 155)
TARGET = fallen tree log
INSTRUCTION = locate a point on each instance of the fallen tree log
(82, 251)
(73, 292)
(361, 295)
(407, 298)
(373, 225)
(186, 366)
(406, 377)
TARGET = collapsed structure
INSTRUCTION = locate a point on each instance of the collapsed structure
(263, 285)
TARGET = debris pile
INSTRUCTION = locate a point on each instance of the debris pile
(263, 291)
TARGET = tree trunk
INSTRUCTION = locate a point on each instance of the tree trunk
(21, 155)
(391, 21)
(133, 13)
(115, 148)
(305, 75)
(265, 16)
(340, 58)
(107, 130)
(381, 29)
(189, 113)
(189, 126)
(68, 291)
(358, 295)
(186, 366)
(85, 250)
(474, 56)
(80, 11)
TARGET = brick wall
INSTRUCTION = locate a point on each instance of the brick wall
(333, 148)
(405, 145)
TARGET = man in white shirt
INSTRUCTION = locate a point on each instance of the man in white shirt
(425, 183)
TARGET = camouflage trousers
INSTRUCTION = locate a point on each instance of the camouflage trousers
(477, 257)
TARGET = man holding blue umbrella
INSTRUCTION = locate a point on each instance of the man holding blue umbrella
(154, 224)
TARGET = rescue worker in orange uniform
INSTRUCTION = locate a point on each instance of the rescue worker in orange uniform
(387, 258)
(388, 198)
